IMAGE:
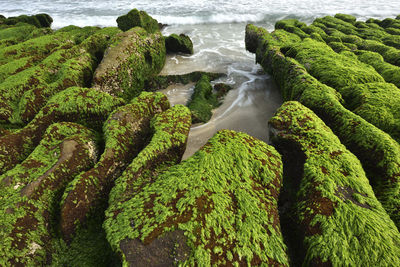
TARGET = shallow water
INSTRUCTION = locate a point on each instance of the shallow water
(220, 48)
(217, 29)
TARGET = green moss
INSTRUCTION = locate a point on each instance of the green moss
(390, 54)
(19, 33)
(338, 24)
(389, 72)
(167, 145)
(26, 92)
(378, 38)
(161, 82)
(347, 18)
(293, 26)
(126, 67)
(30, 191)
(378, 152)
(179, 43)
(125, 133)
(203, 100)
(377, 103)
(224, 199)
(325, 207)
(89, 248)
(39, 20)
(136, 18)
(333, 69)
(85, 106)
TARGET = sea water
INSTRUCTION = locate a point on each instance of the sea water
(217, 29)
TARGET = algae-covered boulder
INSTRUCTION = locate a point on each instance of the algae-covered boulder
(37, 69)
(179, 43)
(133, 58)
(39, 20)
(219, 207)
(203, 100)
(163, 81)
(81, 105)
(136, 18)
(126, 132)
(334, 202)
(378, 152)
(29, 193)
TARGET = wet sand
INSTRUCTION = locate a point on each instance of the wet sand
(254, 98)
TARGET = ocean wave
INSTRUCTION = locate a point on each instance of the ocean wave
(214, 18)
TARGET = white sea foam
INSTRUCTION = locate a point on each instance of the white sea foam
(104, 12)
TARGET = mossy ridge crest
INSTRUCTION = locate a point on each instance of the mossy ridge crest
(200, 191)
(21, 32)
(163, 81)
(26, 92)
(125, 133)
(81, 105)
(134, 57)
(138, 18)
(379, 153)
(334, 196)
(30, 196)
(202, 101)
(166, 147)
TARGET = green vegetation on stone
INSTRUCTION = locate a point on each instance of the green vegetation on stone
(39, 20)
(219, 206)
(335, 203)
(136, 18)
(125, 133)
(179, 43)
(203, 100)
(378, 152)
(134, 57)
(29, 193)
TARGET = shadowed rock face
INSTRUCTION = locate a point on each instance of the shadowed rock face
(179, 43)
(135, 57)
(334, 195)
(168, 250)
(224, 199)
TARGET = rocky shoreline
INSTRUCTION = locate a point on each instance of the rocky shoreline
(90, 153)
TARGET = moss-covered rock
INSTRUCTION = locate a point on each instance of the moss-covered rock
(35, 80)
(378, 152)
(29, 193)
(21, 32)
(219, 207)
(334, 203)
(126, 132)
(39, 20)
(134, 57)
(179, 43)
(161, 82)
(136, 18)
(26, 92)
(81, 105)
(375, 102)
(345, 17)
(203, 100)
(222, 89)
(389, 72)
(293, 26)
(166, 147)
